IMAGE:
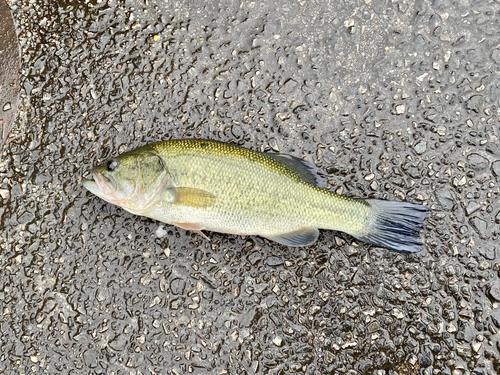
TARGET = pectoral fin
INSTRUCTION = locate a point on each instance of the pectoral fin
(193, 227)
(301, 237)
(191, 197)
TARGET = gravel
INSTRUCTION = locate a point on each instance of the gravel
(392, 100)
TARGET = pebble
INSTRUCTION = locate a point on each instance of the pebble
(488, 252)
(420, 147)
(118, 343)
(464, 351)
(400, 109)
(495, 168)
(278, 341)
(373, 326)
(472, 207)
(398, 314)
(441, 130)
(425, 359)
(5, 194)
(495, 290)
(495, 316)
(445, 199)
(288, 87)
(477, 162)
(480, 226)
(476, 346)
(161, 232)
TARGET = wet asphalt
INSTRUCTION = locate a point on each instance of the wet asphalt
(396, 100)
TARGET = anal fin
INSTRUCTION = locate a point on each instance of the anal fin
(301, 237)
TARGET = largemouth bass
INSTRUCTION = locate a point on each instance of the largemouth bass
(207, 185)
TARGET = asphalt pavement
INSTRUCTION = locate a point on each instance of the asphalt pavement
(396, 100)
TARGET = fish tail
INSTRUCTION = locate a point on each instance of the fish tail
(394, 225)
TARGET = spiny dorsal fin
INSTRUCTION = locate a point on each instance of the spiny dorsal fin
(306, 169)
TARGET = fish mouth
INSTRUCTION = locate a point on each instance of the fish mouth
(99, 184)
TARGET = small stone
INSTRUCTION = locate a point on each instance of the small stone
(495, 55)
(420, 147)
(102, 294)
(441, 130)
(400, 109)
(288, 87)
(273, 261)
(480, 226)
(354, 312)
(425, 359)
(276, 290)
(495, 290)
(495, 316)
(373, 326)
(161, 232)
(278, 341)
(476, 346)
(33, 358)
(398, 314)
(339, 241)
(477, 162)
(118, 343)
(471, 208)
(244, 333)
(273, 143)
(254, 257)
(495, 168)
(399, 194)
(484, 265)
(369, 177)
(464, 351)
(4, 193)
(7, 107)
(235, 335)
(488, 252)
(445, 199)
(497, 218)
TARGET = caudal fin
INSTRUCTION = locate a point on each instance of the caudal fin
(395, 225)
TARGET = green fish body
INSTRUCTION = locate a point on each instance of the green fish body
(214, 186)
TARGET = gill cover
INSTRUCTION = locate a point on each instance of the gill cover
(132, 180)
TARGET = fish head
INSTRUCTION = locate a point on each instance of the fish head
(132, 180)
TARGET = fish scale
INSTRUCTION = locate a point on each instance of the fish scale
(208, 185)
(256, 195)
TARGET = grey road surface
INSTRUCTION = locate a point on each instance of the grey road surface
(396, 100)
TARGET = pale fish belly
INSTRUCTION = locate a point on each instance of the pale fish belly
(268, 214)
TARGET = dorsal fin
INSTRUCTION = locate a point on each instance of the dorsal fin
(307, 170)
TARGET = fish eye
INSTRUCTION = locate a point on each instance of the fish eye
(111, 165)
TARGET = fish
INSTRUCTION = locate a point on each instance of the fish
(205, 185)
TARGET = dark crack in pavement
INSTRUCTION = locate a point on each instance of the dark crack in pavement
(10, 62)
(394, 99)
